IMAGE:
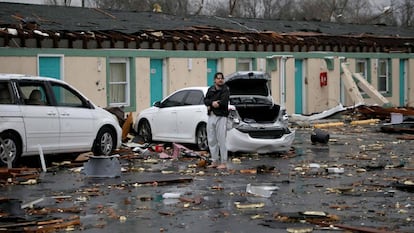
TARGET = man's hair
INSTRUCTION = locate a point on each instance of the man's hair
(217, 74)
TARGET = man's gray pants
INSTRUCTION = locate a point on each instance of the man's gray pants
(216, 136)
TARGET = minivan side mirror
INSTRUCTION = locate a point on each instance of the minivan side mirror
(89, 104)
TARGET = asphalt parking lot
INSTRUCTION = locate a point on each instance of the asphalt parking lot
(360, 181)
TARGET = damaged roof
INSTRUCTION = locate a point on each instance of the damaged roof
(43, 26)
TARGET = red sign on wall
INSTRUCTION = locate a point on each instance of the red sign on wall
(323, 79)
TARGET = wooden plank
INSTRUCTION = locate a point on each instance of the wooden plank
(350, 86)
(370, 90)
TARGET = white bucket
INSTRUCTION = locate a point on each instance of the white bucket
(396, 118)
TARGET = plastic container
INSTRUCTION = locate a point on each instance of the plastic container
(396, 118)
(314, 167)
(336, 170)
(171, 195)
(262, 190)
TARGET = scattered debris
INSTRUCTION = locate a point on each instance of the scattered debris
(19, 175)
(404, 127)
(364, 171)
(249, 205)
(317, 116)
(407, 186)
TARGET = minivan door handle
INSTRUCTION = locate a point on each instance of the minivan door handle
(51, 113)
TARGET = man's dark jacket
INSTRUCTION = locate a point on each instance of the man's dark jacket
(222, 95)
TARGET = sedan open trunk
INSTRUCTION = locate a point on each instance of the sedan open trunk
(261, 125)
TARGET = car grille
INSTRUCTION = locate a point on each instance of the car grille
(267, 134)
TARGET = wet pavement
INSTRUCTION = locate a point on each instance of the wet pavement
(361, 179)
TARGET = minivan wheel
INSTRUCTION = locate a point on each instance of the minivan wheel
(104, 142)
(201, 137)
(144, 130)
(10, 148)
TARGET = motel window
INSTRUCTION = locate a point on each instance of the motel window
(119, 82)
(244, 64)
(384, 76)
(362, 69)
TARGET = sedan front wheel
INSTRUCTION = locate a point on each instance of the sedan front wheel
(144, 130)
(201, 137)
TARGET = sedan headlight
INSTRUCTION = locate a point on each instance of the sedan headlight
(284, 117)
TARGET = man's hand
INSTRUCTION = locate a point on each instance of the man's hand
(216, 104)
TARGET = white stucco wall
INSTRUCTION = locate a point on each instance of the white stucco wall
(274, 84)
(142, 84)
(228, 65)
(290, 86)
(395, 74)
(88, 75)
(18, 65)
(316, 97)
(334, 84)
(410, 82)
(185, 72)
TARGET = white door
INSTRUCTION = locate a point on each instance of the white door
(190, 115)
(165, 119)
(76, 119)
(164, 125)
(40, 118)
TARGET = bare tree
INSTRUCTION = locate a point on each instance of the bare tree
(279, 9)
(176, 7)
(345, 11)
(232, 6)
(250, 9)
(200, 8)
(385, 14)
(322, 10)
(143, 5)
(58, 2)
(358, 11)
(405, 11)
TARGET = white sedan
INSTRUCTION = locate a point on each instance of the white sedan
(256, 123)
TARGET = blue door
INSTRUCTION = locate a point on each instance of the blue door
(211, 70)
(50, 67)
(156, 80)
(298, 86)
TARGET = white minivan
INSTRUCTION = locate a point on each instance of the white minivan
(39, 113)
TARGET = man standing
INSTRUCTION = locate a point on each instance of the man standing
(217, 101)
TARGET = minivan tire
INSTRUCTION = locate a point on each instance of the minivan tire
(11, 144)
(104, 142)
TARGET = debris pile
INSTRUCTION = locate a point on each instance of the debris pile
(358, 180)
